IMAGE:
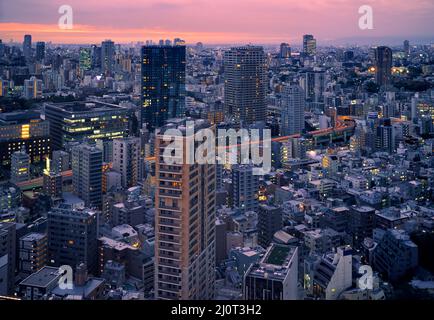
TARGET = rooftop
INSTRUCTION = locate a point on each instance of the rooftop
(42, 278)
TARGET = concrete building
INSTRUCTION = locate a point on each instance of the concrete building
(184, 223)
(270, 220)
(127, 161)
(20, 167)
(7, 258)
(245, 186)
(275, 277)
(33, 252)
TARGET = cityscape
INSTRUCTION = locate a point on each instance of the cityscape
(200, 167)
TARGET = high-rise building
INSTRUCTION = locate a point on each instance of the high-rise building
(32, 88)
(85, 62)
(407, 47)
(85, 121)
(107, 57)
(270, 220)
(245, 84)
(275, 277)
(127, 161)
(309, 45)
(383, 65)
(40, 51)
(20, 167)
(7, 258)
(184, 223)
(385, 139)
(27, 46)
(163, 84)
(24, 129)
(285, 51)
(293, 103)
(33, 249)
(87, 174)
(52, 181)
(245, 187)
(72, 237)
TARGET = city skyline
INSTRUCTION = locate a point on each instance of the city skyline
(231, 23)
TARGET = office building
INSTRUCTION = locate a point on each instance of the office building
(385, 138)
(7, 258)
(40, 51)
(107, 57)
(163, 84)
(24, 130)
(20, 167)
(245, 84)
(285, 51)
(52, 181)
(85, 121)
(27, 46)
(87, 174)
(275, 277)
(72, 237)
(85, 62)
(32, 88)
(292, 110)
(184, 223)
(127, 160)
(383, 65)
(309, 45)
(245, 186)
(270, 220)
(40, 283)
(33, 252)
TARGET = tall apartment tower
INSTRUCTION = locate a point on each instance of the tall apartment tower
(163, 84)
(87, 174)
(72, 237)
(245, 84)
(309, 45)
(383, 65)
(244, 187)
(285, 51)
(126, 160)
(184, 223)
(107, 57)
(20, 167)
(293, 104)
(27, 46)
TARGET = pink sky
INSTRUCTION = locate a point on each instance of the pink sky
(216, 21)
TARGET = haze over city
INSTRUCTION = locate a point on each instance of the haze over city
(219, 22)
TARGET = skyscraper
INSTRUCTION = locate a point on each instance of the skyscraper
(292, 110)
(383, 65)
(407, 47)
(107, 57)
(163, 84)
(184, 224)
(309, 45)
(32, 88)
(27, 46)
(285, 51)
(85, 61)
(245, 84)
(87, 174)
(126, 160)
(40, 51)
(72, 237)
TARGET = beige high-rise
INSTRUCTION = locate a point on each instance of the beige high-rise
(184, 223)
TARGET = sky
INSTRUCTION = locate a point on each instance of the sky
(219, 21)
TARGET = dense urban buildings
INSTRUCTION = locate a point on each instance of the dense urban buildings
(162, 83)
(136, 165)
